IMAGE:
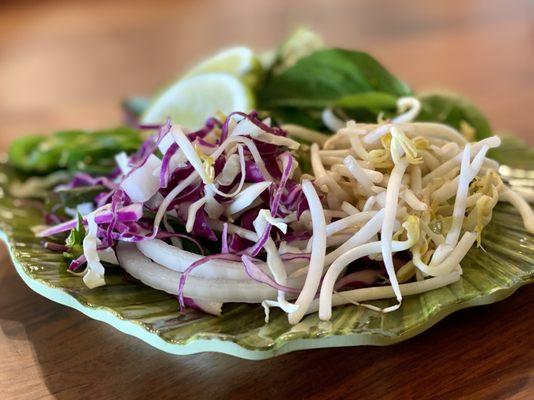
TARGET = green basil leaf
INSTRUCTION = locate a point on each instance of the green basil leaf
(76, 235)
(325, 76)
(374, 101)
(70, 198)
(309, 117)
(452, 109)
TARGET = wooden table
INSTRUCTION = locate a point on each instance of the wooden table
(69, 64)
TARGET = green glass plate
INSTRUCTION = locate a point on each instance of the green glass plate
(503, 264)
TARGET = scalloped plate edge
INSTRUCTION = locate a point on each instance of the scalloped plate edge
(230, 348)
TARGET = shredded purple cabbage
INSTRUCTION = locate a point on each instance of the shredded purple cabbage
(165, 173)
(119, 219)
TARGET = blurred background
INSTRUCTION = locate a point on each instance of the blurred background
(66, 64)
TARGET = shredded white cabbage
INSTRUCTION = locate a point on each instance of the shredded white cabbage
(143, 183)
(94, 272)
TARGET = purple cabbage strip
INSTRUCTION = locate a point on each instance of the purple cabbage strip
(116, 202)
(77, 263)
(297, 236)
(201, 227)
(102, 199)
(165, 235)
(178, 175)
(267, 150)
(149, 127)
(292, 196)
(253, 172)
(287, 163)
(224, 128)
(196, 264)
(302, 206)
(256, 274)
(219, 164)
(149, 146)
(252, 117)
(237, 244)
(209, 125)
(191, 303)
(51, 219)
(55, 247)
(83, 179)
(202, 142)
(271, 165)
(361, 278)
(165, 164)
(295, 256)
(190, 194)
(224, 239)
(133, 212)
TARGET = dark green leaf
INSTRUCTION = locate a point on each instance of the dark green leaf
(70, 198)
(452, 109)
(348, 80)
(325, 76)
(73, 150)
(376, 101)
(76, 235)
(75, 240)
(309, 117)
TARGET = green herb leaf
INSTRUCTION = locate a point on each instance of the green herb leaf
(75, 240)
(308, 117)
(70, 198)
(375, 101)
(324, 77)
(75, 150)
(351, 80)
(77, 234)
(452, 109)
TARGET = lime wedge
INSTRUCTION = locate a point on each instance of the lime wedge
(191, 101)
(237, 61)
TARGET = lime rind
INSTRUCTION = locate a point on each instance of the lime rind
(191, 101)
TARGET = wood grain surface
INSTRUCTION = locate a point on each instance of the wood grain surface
(68, 64)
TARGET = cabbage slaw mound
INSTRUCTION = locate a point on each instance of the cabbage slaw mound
(385, 211)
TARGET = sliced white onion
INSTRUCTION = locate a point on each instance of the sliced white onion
(220, 290)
